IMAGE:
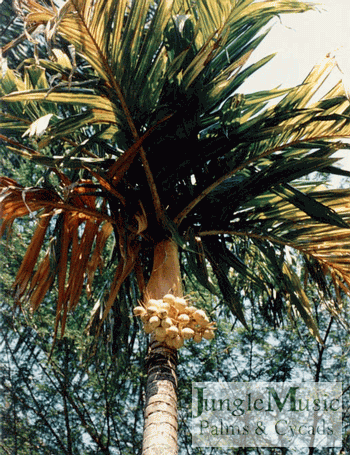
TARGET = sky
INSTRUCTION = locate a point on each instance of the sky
(301, 41)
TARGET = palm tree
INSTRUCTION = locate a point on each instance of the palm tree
(132, 113)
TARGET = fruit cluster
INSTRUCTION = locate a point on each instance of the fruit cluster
(172, 321)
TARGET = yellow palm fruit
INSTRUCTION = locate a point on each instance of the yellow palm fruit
(172, 331)
(175, 343)
(169, 298)
(151, 310)
(145, 317)
(178, 342)
(197, 337)
(187, 333)
(193, 325)
(190, 310)
(183, 318)
(180, 304)
(208, 334)
(204, 324)
(169, 342)
(173, 312)
(139, 311)
(166, 323)
(160, 333)
(162, 313)
(164, 308)
(147, 328)
(165, 305)
(154, 322)
(153, 302)
(200, 316)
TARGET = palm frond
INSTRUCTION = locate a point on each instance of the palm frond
(71, 254)
(281, 222)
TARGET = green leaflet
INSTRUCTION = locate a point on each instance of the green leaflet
(221, 92)
(313, 208)
(73, 96)
(197, 261)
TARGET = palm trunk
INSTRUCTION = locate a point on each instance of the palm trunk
(160, 427)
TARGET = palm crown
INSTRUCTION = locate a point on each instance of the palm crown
(136, 115)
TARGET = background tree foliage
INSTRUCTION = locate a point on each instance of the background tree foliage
(75, 404)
